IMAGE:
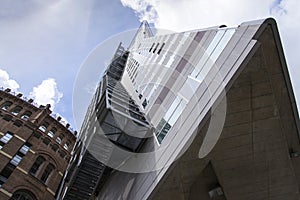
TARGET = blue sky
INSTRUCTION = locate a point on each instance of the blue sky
(43, 44)
(51, 40)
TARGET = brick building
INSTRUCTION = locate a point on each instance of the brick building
(35, 148)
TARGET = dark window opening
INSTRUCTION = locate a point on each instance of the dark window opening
(161, 48)
(47, 172)
(145, 103)
(62, 154)
(155, 48)
(151, 47)
(46, 141)
(54, 147)
(18, 123)
(23, 195)
(37, 135)
(7, 117)
(6, 172)
(36, 165)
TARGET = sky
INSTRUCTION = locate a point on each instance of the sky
(46, 46)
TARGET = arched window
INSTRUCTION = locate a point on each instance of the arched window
(36, 165)
(54, 147)
(16, 110)
(46, 141)
(18, 123)
(60, 138)
(50, 167)
(43, 127)
(62, 154)
(6, 105)
(51, 133)
(67, 145)
(23, 195)
(26, 115)
(37, 135)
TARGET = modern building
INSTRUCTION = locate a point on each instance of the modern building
(203, 114)
(35, 149)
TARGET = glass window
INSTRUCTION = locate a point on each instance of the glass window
(16, 160)
(155, 86)
(6, 105)
(6, 137)
(26, 115)
(207, 52)
(67, 145)
(25, 148)
(43, 127)
(2, 180)
(36, 165)
(217, 50)
(172, 108)
(47, 172)
(59, 138)
(164, 128)
(51, 133)
(177, 113)
(16, 110)
(164, 132)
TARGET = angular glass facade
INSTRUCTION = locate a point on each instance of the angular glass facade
(153, 100)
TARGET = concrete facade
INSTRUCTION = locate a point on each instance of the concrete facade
(254, 158)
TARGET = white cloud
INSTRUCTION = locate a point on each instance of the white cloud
(182, 15)
(7, 82)
(46, 93)
(145, 9)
